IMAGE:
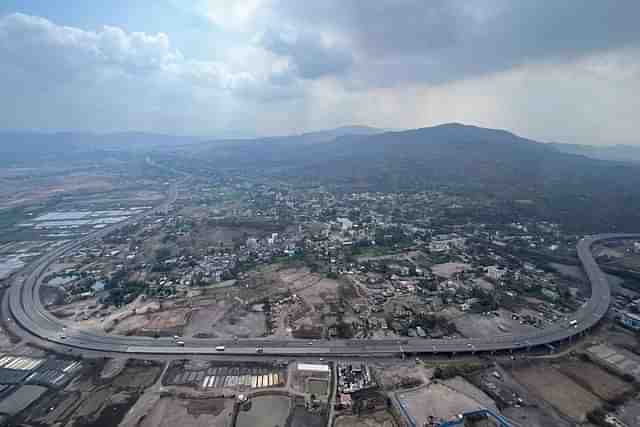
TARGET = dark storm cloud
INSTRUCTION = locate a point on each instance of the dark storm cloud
(445, 40)
(311, 58)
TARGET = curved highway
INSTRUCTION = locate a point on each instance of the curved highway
(24, 305)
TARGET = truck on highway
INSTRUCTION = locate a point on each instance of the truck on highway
(220, 348)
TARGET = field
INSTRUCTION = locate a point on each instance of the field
(563, 393)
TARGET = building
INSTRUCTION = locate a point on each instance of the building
(345, 224)
(554, 296)
(494, 272)
(252, 243)
(630, 320)
(315, 368)
(445, 245)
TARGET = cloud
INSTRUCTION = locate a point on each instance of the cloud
(437, 41)
(311, 57)
(33, 43)
(64, 77)
(236, 15)
(43, 50)
(564, 70)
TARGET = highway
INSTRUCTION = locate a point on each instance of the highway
(25, 309)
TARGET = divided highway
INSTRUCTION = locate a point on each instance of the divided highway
(25, 308)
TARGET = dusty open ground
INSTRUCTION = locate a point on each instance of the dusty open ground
(377, 419)
(444, 400)
(630, 412)
(563, 393)
(479, 326)
(224, 319)
(595, 379)
(393, 377)
(172, 411)
(265, 411)
(448, 269)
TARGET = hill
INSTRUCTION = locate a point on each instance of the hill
(619, 152)
(582, 193)
(28, 148)
(19, 148)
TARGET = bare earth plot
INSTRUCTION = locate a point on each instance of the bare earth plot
(169, 320)
(477, 325)
(391, 377)
(204, 317)
(448, 269)
(595, 379)
(173, 411)
(559, 390)
(377, 419)
(222, 320)
(629, 413)
(318, 292)
(444, 400)
(265, 411)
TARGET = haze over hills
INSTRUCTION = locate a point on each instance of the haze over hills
(559, 185)
(618, 152)
(572, 189)
(20, 147)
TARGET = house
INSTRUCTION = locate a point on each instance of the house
(494, 272)
(438, 246)
(345, 224)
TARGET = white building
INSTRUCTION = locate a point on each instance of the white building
(252, 243)
(494, 272)
(308, 367)
(345, 224)
(438, 246)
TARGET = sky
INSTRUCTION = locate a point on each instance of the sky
(561, 71)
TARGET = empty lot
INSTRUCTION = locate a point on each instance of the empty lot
(563, 393)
